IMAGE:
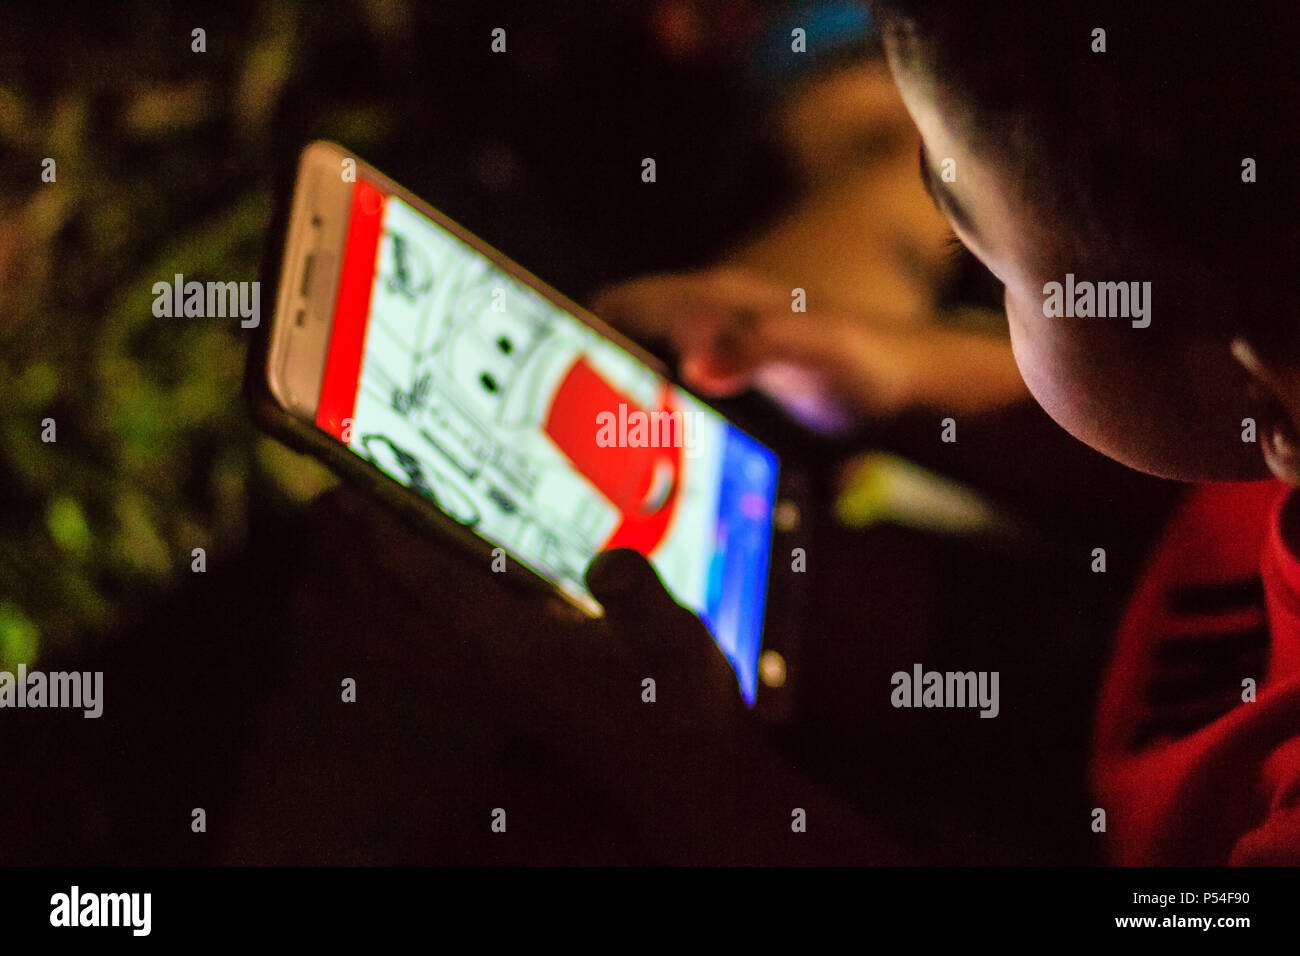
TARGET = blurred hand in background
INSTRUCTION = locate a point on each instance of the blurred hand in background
(733, 329)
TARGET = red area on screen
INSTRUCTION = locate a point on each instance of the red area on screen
(338, 395)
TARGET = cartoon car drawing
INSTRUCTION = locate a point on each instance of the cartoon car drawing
(505, 400)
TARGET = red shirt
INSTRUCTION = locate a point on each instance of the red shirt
(1188, 771)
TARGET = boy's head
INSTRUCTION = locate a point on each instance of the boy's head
(1120, 157)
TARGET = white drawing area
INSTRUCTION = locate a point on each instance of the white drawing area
(484, 397)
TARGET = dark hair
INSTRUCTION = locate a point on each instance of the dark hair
(1137, 150)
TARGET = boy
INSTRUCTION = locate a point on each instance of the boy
(1126, 145)
(1123, 169)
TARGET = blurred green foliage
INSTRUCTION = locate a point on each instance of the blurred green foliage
(162, 167)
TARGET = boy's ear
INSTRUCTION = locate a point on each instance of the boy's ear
(1276, 388)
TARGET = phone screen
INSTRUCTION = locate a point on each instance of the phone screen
(531, 429)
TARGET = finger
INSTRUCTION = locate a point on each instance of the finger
(811, 338)
(688, 309)
(714, 376)
(669, 638)
(738, 356)
(628, 587)
(727, 325)
(636, 603)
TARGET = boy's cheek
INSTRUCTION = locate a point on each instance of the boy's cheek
(1140, 406)
(1032, 344)
(1081, 381)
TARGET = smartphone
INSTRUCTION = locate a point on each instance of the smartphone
(407, 353)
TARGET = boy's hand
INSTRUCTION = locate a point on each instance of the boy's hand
(733, 329)
(537, 664)
(696, 693)
(690, 768)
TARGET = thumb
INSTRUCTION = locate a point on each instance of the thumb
(628, 587)
(728, 358)
(642, 615)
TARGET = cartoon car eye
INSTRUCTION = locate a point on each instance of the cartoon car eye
(484, 359)
(479, 375)
(511, 332)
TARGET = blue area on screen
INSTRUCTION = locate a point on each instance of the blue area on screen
(737, 587)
